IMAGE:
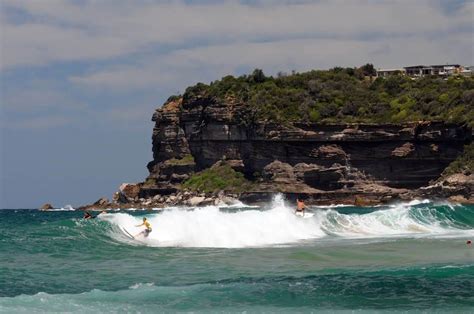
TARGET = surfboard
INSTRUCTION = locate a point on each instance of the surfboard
(127, 233)
(304, 215)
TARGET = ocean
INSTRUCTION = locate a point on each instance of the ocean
(405, 257)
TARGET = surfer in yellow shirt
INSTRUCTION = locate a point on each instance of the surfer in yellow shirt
(147, 225)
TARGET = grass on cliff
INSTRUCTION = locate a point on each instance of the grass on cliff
(218, 178)
(465, 162)
(186, 160)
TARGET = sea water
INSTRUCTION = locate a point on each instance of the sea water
(407, 257)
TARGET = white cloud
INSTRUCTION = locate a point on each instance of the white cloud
(99, 30)
(155, 49)
(185, 66)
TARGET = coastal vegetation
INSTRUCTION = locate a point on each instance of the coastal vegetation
(218, 178)
(347, 95)
(464, 163)
(186, 160)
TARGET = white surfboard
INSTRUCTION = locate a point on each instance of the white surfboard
(128, 234)
(304, 215)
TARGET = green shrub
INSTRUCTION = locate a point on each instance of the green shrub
(465, 162)
(341, 95)
(218, 178)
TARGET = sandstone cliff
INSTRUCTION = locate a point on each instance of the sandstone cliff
(331, 136)
(325, 163)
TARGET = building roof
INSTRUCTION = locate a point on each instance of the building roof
(415, 66)
(445, 65)
(432, 66)
(388, 70)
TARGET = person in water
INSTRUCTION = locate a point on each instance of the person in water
(300, 206)
(147, 225)
(88, 215)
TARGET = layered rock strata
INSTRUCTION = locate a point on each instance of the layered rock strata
(326, 163)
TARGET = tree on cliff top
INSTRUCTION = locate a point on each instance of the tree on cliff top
(257, 76)
(368, 70)
(343, 95)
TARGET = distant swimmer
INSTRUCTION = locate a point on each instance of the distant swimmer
(469, 242)
(300, 207)
(88, 215)
(147, 230)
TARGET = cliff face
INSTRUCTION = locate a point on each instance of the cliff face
(329, 161)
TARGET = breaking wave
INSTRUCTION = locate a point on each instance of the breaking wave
(248, 227)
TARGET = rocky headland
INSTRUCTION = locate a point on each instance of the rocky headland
(215, 150)
(324, 164)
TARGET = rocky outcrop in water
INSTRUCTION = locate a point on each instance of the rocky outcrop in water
(46, 206)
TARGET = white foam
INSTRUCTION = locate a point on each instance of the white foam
(418, 202)
(211, 227)
(65, 208)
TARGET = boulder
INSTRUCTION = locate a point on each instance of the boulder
(171, 199)
(278, 171)
(456, 187)
(103, 201)
(236, 164)
(458, 199)
(195, 201)
(116, 198)
(130, 190)
(46, 206)
(301, 168)
(459, 179)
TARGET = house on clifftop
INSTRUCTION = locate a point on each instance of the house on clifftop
(437, 70)
(417, 71)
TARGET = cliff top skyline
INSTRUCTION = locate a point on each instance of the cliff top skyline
(81, 79)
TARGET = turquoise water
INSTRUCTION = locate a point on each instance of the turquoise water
(406, 257)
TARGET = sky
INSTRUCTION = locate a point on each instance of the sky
(80, 80)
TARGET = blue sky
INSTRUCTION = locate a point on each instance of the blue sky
(80, 79)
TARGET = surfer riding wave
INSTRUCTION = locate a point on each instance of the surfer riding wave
(147, 230)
